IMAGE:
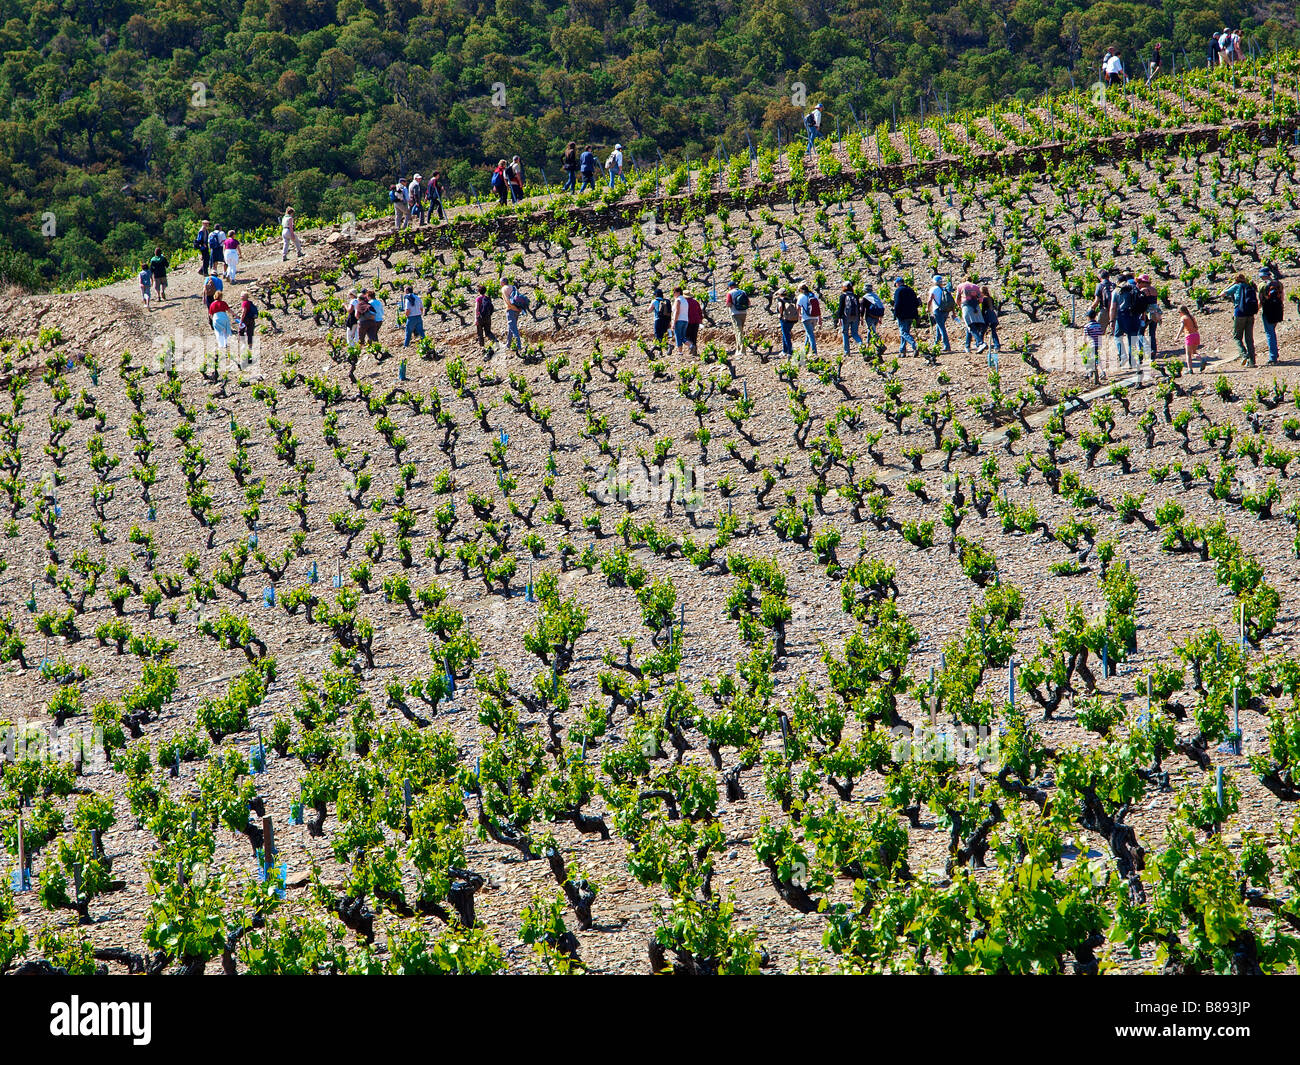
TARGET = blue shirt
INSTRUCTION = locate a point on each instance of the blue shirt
(378, 305)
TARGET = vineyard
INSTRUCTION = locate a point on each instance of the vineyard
(598, 656)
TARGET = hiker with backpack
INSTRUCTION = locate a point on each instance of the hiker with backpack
(787, 314)
(288, 235)
(217, 251)
(848, 314)
(587, 165)
(158, 267)
(906, 307)
(737, 301)
(211, 288)
(812, 122)
(499, 183)
(569, 164)
(1245, 305)
(201, 245)
(1101, 299)
(614, 165)
(415, 198)
(146, 285)
(873, 310)
(1149, 307)
(413, 308)
(397, 196)
(1128, 323)
(483, 311)
(939, 303)
(681, 316)
(515, 302)
(810, 314)
(662, 310)
(970, 297)
(1272, 302)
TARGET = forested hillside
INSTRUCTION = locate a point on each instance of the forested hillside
(126, 120)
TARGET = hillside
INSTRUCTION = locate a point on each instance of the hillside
(606, 655)
(127, 121)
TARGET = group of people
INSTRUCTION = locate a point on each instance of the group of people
(219, 314)
(682, 314)
(516, 303)
(586, 163)
(218, 251)
(1225, 48)
(153, 278)
(1128, 308)
(415, 202)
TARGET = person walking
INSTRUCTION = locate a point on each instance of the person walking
(288, 235)
(212, 288)
(1094, 332)
(614, 166)
(810, 314)
(351, 322)
(379, 309)
(515, 173)
(939, 303)
(1245, 305)
(681, 314)
(1272, 303)
(146, 285)
(367, 327)
(515, 302)
(970, 297)
(787, 313)
(217, 251)
(873, 311)
(201, 245)
(694, 319)
(1102, 297)
(906, 307)
(1153, 69)
(989, 312)
(158, 267)
(812, 123)
(397, 196)
(848, 313)
(737, 302)
(483, 311)
(437, 192)
(587, 164)
(413, 308)
(1128, 323)
(499, 183)
(230, 248)
(1113, 68)
(219, 317)
(415, 198)
(1191, 337)
(247, 323)
(662, 311)
(1152, 315)
(569, 164)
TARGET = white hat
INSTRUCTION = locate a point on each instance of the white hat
(417, 177)
(618, 147)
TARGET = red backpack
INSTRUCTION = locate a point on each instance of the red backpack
(814, 307)
(694, 312)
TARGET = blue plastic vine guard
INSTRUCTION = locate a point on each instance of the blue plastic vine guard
(268, 596)
(295, 813)
(21, 880)
(311, 574)
(283, 875)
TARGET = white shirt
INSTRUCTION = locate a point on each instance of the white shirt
(286, 223)
(681, 311)
(414, 305)
(400, 192)
(1114, 65)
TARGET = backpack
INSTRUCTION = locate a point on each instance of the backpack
(1105, 293)
(789, 311)
(200, 242)
(521, 302)
(947, 304)
(810, 121)
(1272, 302)
(694, 312)
(740, 302)
(214, 245)
(851, 311)
(498, 179)
(209, 291)
(392, 195)
(485, 308)
(1249, 300)
(874, 305)
(814, 307)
